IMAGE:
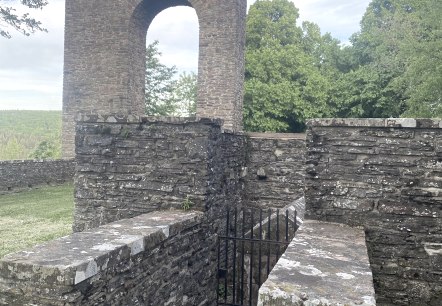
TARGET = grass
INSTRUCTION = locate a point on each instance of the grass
(32, 217)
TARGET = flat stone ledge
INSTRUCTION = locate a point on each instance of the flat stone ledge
(36, 161)
(119, 119)
(325, 264)
(377, 122)
(282, 136)
(72, 259)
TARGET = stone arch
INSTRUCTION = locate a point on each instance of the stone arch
(105, 43)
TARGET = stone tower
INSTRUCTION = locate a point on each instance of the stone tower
(104, 60)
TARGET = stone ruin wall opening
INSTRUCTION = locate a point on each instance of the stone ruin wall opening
(105, 45)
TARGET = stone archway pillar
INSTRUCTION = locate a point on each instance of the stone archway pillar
(104, 64)
(221, 60)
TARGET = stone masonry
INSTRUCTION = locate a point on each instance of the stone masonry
(162, 258)
(127, 166)
(386, 176)
(24, 174)
(104, 59)
(275, 169)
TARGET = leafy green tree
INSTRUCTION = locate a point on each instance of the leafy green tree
(46, 150)
(24, 23)
(398, 54)
(423, 51)
(167, 95)
(159, 86)
(283, 83)
(184, 93)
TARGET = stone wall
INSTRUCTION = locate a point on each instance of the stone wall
(104, 58)
(133, 165)
(384, 175)
(161, 258)
(275, 169)
(23, 174)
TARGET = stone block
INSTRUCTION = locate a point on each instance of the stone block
(320, 268)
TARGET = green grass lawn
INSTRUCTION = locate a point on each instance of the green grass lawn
(32, 217)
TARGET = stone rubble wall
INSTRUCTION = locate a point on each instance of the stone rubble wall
(275, 169)
(161, 258)
(133, 165)
(17, 175)
(384, 175)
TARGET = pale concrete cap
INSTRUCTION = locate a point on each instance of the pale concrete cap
(325, 264)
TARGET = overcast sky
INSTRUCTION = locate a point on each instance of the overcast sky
(31, 68)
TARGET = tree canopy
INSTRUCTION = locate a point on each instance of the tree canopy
(166, 95)
(284, 85)
(392, 68)
(24, 24)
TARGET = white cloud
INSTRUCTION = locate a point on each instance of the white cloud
(31, 68)
(177, 30)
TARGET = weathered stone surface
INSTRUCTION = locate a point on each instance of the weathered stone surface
(384, 175)
(104, 66)
(17, 175)
(320, 267)
(135, 165)
(147, 260)
(275, 169)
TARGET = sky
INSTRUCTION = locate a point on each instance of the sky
(31, 68)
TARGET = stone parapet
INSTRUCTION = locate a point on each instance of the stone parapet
(386, 176)
(275, 169)
(321, 267)
(18, 175)
(152, 259)
(128, 165)
(378, 122)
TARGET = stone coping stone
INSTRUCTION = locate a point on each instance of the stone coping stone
(325, 264)
(72, 259)
(118, 119)
(282, 136)
(377, 122)
(39, 161)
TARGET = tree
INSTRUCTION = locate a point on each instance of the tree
(423, 76)
(166, 95)
(159, 85)
(398, 53)
(46, 150)
(184, 94)
(283, 83)
(24, 23)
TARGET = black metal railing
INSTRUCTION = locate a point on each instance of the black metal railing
(253, 241)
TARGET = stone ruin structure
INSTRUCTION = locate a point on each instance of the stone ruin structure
(373, 192)
(105, 56)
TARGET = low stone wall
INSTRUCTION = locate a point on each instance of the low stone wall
(384, 175)
(275, 169)
(161, 258)
(133, 165)
(320, 267)
(23, 174)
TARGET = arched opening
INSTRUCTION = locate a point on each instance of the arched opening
(172, 44)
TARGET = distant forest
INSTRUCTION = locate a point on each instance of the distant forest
(30, 134)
